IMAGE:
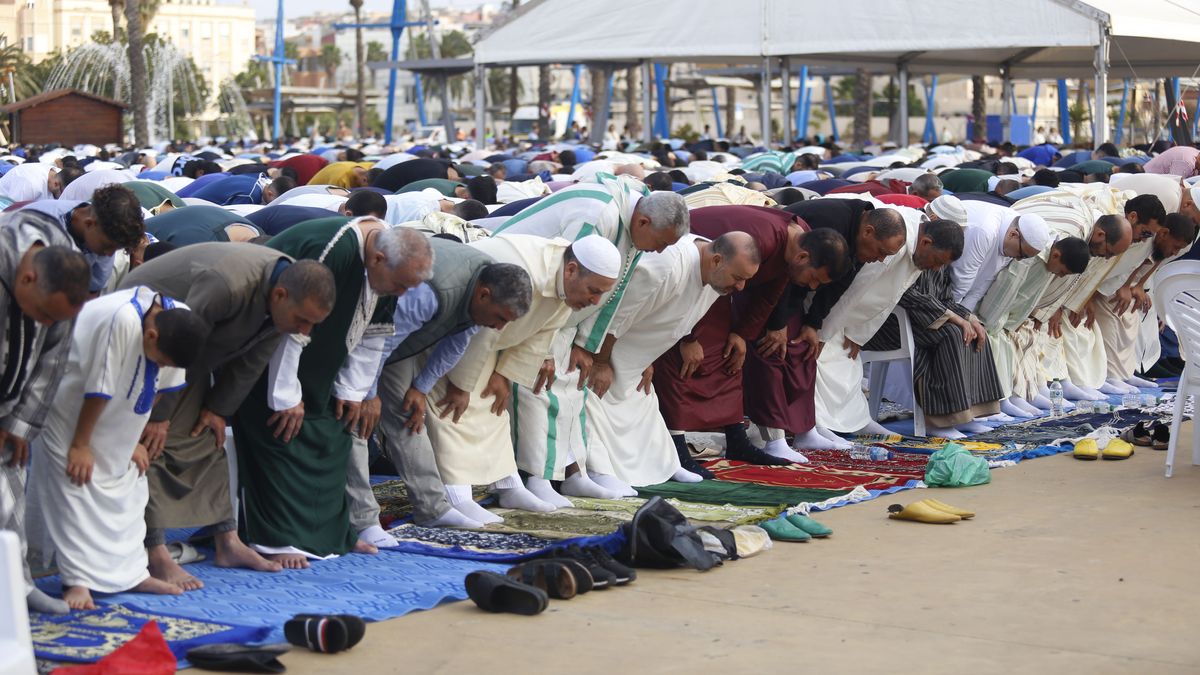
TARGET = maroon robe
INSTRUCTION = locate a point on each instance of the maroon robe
(779, 392)
(711, 398)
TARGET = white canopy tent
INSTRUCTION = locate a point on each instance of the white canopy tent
(1015, 38)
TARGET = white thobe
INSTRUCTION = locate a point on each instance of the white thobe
(983, 251)
(627, 436)
(96, 531)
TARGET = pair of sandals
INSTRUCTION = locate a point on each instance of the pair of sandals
(527, 588)
(1158, 436)
(328, 633)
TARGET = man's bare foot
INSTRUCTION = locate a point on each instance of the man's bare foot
(164, 568)
(361, 546)
(290, 561)
(231, 552)
(78, 597)
(157, 587)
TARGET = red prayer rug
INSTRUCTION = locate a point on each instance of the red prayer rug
(827, 469)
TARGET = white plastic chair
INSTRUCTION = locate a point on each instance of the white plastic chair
(16, 642)
(1177, 296)
(877, 374)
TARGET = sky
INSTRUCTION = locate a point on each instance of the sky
(265, 9)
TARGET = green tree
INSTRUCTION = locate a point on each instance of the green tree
(138, 73)
(257, 75)
(330, 58)
(375, 52)
(1080, 116)
(453, 44)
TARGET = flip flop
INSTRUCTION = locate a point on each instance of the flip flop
(921, 512)
(184, 553)
(239, 658)
(813, 528)
(551, 576)
(943, 506)
(1117, 449)
(356, 628)
(1138, 435)
(497, 593)
(1160, 436)
(780, 529)
(1086, 450)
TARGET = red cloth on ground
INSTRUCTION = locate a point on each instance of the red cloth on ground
(306, 166)
(779, 392)
(712, 398)
(832, 475)
(873, 187)
(911, 201)
(146, 654)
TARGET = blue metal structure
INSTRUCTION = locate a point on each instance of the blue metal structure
(1064, 112)
(717, 113)
(1037, 92)
(802, 93)
(578, 71)
(1120, 132)
(397, 25)
(930, 133)
(832, 110)
(280, 60)
(661, 124)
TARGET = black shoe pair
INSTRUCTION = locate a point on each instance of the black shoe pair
(606, 572)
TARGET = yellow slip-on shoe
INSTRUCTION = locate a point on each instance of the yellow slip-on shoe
(943, 506)
(1117, 449)
(920, 512)
(1086, 449)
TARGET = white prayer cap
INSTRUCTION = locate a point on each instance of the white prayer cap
(598, 255)
(1034, 231)
(949, 207)
(993, 181)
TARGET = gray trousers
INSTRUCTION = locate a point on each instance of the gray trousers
(12, 507)
(412, 454)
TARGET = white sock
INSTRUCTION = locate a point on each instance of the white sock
(614, 484)
(37, 601)
(999, 418)
(1022, 404)
(579, 485)
(1114, 386)
(1136, 381)
(1076, 393)
(779, 448)
(872, 427)
(455, 518)
(939, 432)
(685, 476)
(973, 428)
(521, 498)
(543, 490)
(460, 498)
(1012, 409)
(1041, 402)
(375, 536)
(809, 440)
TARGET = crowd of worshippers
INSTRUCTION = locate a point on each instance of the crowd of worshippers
(203, 339)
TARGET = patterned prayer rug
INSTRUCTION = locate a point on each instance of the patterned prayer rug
(829, 470)
(86, 636)
(740, 494)
(395, 506)
(498, 543)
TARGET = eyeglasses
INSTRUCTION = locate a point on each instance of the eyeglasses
(1020, 246)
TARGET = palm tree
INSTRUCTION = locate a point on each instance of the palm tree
(360, 92)
(631, 101)
(375, 52)
(330, 58)
(117, 7)
(862, 108)
(138, 75)
(544, 131)
(978, 107)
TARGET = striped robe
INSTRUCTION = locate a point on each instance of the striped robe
(953, 383)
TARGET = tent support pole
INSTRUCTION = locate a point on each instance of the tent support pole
(480, 106)
(786, 99)
(662, 120)
(930, 134)
(902, 127)
(647, 120)
(577, 71)
(1037, 92)
(1100, 110)
(717, 113)
(1064, 112)
(832, 110)
(1119, 132)
(802, 92)
(764, 107)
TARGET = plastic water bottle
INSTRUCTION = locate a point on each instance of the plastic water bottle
(870, 453)
(1131, 400)
(1056, 399)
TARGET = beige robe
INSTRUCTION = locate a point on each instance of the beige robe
(478, 449)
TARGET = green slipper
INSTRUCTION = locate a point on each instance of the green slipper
(809, 525)
(780, 529)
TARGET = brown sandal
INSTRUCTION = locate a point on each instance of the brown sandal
(552, 576)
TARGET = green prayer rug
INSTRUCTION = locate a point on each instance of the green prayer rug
(739, 494)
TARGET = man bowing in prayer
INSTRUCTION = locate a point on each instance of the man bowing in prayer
(250, 295)
(469, 421)
(43, 284)
(293, 482)
(699, 380)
